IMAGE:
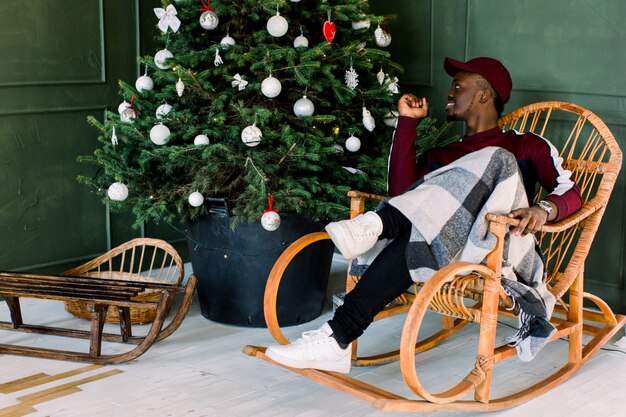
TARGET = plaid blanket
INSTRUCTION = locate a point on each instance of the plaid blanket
(447, 209)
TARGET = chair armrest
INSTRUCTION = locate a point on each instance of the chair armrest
(366, 196)
(358, 199)
(585, 211)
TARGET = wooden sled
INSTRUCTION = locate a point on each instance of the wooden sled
(143, 275)
(468, 293)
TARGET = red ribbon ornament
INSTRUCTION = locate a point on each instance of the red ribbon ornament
(130, 106)
(270, 203)
(206, 7)
(329, 30)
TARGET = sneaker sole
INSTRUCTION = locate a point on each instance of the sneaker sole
(319, 365)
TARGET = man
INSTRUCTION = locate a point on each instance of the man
(479, 89)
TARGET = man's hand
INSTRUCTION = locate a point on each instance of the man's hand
(531, 220)
(411, 106)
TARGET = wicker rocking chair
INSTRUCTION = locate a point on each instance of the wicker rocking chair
(464, 293)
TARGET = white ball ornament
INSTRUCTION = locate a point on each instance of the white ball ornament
(161, 57)
(144, 83)
(271, 87)
(196, 199)
(301, 42)
(353, 143)
(123, 106)
(201, 140)
(159, 134)
(391, 118)
(209, 20)
(227, 41)
(270, 221)
(277, 26)
(118, 191)
(163, 110)
(251, 135)
(303, 107)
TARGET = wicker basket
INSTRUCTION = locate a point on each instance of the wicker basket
(140, 260)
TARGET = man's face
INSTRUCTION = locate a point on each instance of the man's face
(463, 96)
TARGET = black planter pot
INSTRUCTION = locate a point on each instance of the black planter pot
(233, 266)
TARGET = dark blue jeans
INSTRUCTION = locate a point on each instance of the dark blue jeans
(385, 279)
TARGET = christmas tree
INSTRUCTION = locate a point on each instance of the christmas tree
(256, 101)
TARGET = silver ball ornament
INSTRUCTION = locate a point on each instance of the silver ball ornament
(159, 134)
(201, 140)
(196, 199)
(277, 26)
(383, 39)
(251, 135)
(128, 115)
(161, 57)
(144, 83)
(123, 106)
(227, 41)
(271, 87)
(270, 221)
(118, 191)
(303, 107)
(391, 118)
(361, 24)
(301, 42)
(353, 143)
(163, 110)
(209, 20)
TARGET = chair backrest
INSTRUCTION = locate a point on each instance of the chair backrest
(592, 154)
(141, 259)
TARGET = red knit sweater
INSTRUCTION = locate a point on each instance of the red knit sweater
(538, 160)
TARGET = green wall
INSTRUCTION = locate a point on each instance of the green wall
(61, 61)
(568, 50)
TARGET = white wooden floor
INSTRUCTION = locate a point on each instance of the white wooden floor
(201, 371)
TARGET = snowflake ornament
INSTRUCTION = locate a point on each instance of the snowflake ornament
(352, 78)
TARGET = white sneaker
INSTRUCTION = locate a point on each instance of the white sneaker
(356, 236)
(315, 349)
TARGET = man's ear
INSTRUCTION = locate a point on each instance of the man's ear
(485, 95)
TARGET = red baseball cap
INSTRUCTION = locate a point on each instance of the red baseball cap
(491, 69)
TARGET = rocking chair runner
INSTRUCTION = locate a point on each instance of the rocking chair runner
(462, 292)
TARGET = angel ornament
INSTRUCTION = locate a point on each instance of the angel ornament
(368, 120)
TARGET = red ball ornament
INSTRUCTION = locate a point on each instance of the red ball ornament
(329, 30)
